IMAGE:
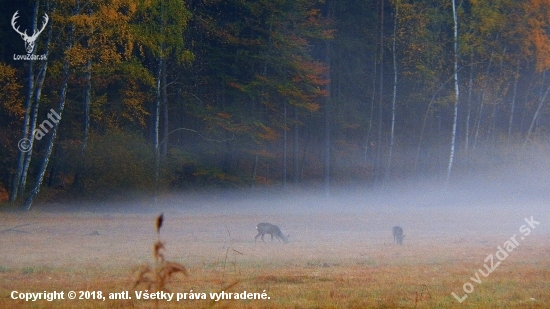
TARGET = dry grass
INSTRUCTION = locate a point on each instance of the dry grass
(332, 261)
(156, 278)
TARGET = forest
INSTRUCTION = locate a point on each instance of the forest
(104, 97)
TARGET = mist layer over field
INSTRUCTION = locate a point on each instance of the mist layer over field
(449, 233)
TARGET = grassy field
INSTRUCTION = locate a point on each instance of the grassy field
(333, 260)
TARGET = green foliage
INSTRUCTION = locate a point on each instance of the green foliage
(256, 61)
(184, 170)
(115, 162)
(158, 26)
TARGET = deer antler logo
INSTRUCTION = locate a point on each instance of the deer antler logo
(29, 40)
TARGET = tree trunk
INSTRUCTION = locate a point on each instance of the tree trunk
(327, 106)
(284, 145)
(27, 134)
(371, 115)
(87, 100)
(295, 165)
(535, 116)
(254, 170)
(455, 109)
(482, 103)
(303, 161)
(469, 109)
(61, 105)
(380, 94)
(78, 181)
(393, 104)
(36, 104)
(164, 101)
(156, 143)
(513, 104)
(78, 178)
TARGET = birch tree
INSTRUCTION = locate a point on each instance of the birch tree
(394, 95)
(60, 107)
(25, 156)
(455, 106)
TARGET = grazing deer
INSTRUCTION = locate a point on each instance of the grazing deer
(398, 235)
(268, 228)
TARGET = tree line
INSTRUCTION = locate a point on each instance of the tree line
(161, 95)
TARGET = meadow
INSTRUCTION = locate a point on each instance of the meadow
(334, 259)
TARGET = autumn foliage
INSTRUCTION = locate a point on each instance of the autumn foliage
(187, 94)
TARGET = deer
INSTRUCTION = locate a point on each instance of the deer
(29, 40)
(271, 229)
(398, 235)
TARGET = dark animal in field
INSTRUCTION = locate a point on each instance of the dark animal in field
(271, 229)
(398, 235)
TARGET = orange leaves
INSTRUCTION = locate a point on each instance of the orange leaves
(538, 12)
(310, 72)
(541, 43)
(224, 121)
(318, 27)
(236, 86)
(536, 4)
(225, 115)
(306, 85)
(266, 132)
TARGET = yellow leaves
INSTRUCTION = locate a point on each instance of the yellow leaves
(186, 56)
(133, 103)
(312, 107)
(77, 55)
(118, 11)
(10, 88)
(82, 21)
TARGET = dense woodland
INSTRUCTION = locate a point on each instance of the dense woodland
(168, 95)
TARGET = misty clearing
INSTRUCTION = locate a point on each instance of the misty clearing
(492, 253)
(275, 154)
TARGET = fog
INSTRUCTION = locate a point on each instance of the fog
(495, 200)
(448, 229)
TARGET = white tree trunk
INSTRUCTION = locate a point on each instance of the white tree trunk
(455, 109)
(61, 105)
(27, 133)
(535, 116)
(393, 107)
(513, 104)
